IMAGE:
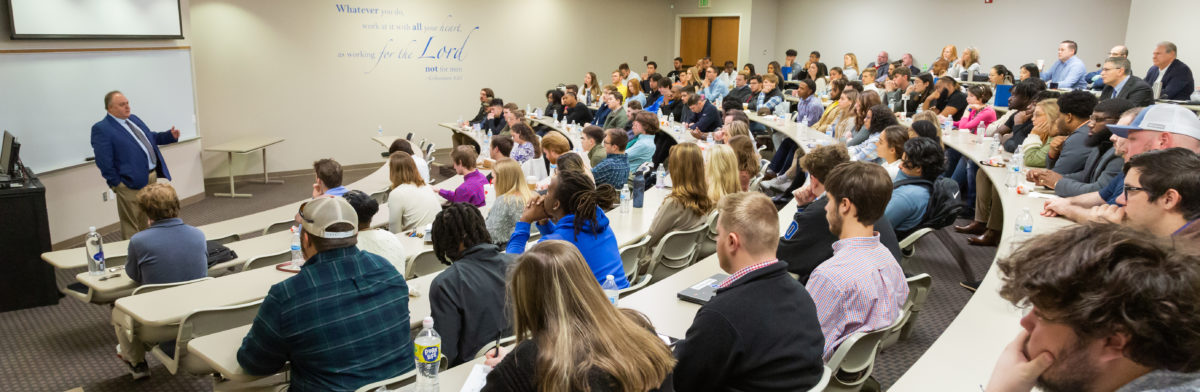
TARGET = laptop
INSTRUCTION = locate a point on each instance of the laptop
(703, 290)
(1003, 92)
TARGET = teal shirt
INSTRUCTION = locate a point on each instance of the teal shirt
(641, 151)
(908, 204)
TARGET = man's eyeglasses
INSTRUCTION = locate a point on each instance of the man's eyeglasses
(1129, 188)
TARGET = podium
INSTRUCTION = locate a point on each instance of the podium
(27, 281)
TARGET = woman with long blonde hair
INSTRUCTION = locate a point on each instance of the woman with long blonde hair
(412, 204)
(569, 337)
(688, 204)
(722, 170)
(1040, 150)
(850, 66)
(512, 193)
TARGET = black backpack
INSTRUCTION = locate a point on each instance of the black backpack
(944, 205)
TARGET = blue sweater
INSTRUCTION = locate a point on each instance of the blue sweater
(168, 251)
(599, 250)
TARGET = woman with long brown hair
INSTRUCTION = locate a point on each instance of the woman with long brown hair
(590, 92)
(862, 108)
(688, 204)
(412, 204)
(569, 337)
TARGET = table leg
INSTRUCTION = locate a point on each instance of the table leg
(232, 193)
(266, 180)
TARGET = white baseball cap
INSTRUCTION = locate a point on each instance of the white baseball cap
(325, 211)
(1163, 117)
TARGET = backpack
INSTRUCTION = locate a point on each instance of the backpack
(218, 253)
(944, 205)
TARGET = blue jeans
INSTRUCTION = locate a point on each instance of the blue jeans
(964, 175)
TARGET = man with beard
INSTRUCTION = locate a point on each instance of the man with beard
(1116, 310)
(1102, 163)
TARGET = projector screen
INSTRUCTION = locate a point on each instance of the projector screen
(108, 19)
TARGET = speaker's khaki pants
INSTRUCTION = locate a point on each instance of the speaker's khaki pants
(133, 219)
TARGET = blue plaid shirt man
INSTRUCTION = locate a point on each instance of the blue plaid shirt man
(613, 170)
(342, 322)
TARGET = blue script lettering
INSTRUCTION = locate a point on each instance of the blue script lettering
(444, 51)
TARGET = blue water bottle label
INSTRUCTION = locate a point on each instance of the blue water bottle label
(427, 354)
(1027, 229)
(99, 256)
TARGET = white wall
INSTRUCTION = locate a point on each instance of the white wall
(73, 195)
(1009, 32)
(1153, 21)
(271, 67)
(762, 32)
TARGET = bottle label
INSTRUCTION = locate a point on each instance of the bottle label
(99, 256)
(427, 354)
(1026, 229)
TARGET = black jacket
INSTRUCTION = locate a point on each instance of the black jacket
(1135, 90)
(579, 114)
(807, 242)
(759, 334)
(467, 302)
(740, 95)
(708, 120)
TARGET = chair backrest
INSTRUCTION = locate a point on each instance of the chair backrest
(147, 288)
(678, 248)
(429, 152)
(206, 322)
(279, 226)
(409, 137)
(708, 241)
(391, 384)
(267, 260)
(854, 359)
(227, 239)
(422, 264)
(918, 290)
(630, 256)
(380, 197)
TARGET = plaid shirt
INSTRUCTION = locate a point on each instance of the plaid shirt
(613, 170)
(860, 288)
(742, 272)
(866, 151)
(342, 322)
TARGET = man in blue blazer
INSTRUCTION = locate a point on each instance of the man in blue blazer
(128, 158)
(1177, 82)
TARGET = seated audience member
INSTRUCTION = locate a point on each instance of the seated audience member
(634, 89)
(406, 147)
(770, 97)
(376, 241)
(411, 203)
(602, 110)
(843, 125)
(1112, 310)
(949, 54)
(467, 299)
(818, 73)
(168, 251)
(790, 66)
(907, 61)
(868, 80)
(593, 143)
(808, 112)
(342, 322)
(808, 241)
(890, 148)
(978, 111)
(940, 68)
(1173, 77)
(755, 84)
(773, 68)
(1021, 103)
(1046, 134)
(641, 149)
(591, 89)
(500, 147)
(895, 88)
(712, 89)
(1029, 71)
(512, 193)
(747, 159)
(329, 178)
(1120, 83)
(573, 210)
(924, 160)
(1068, 71)
(526, 144)
(946, 99)
(762, 323)
(740, 94)
(673, 105)
(554, 144)
(860, 288)
(575, 112)
(654, 98)
(880, 66)
(1101, 164)
(862, 119)
(722, 172)
(1075, 108)
(836, 73)
(677, 68)
(688, 204)
(687, 78)
(554, 107)
(878, 118)
(614, 169)
(626, 73)
(471, 189)
(1162, 195)
(569, 337)
(967, 66)
(999, 75)
(735, 124)
(617, 117)
(485, 95)
(495, 121)
(511, 117)
(832, 112)
(705, 118)
(728, 71)
(850, 66)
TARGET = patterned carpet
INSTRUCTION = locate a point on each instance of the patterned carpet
(69, 345)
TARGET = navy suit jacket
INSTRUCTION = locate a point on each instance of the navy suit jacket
(709, 118)
(120, 157)
(1176, 84)
(1135, 90)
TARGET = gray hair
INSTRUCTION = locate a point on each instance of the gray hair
(1119, 62)
(108, 98)
(1168, 45)
(1124, 50)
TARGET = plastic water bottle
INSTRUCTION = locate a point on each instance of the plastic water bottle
(1157, 87)
(980, 132)
(611, 290)
(662, 177)
(297, 254)
(94, 245)
(1024, 229)
(709, 140)
(428, 350)
(625, 200)
(528, 108)
(1014, 178)
(904, 104)
(460, 121)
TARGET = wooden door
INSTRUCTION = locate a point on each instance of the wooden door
(693, 40)
(715, 37)
(723, 38)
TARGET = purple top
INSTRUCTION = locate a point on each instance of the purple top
(470, 191)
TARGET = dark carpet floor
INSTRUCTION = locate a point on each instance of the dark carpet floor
(69, 345)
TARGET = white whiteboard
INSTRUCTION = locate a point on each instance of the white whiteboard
(49, 101)
(95, 18)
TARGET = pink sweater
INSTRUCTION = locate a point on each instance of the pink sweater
(974, 119)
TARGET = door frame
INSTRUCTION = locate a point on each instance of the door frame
(743, 55)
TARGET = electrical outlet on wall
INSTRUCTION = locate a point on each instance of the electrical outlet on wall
(107, 195)
(104, 196)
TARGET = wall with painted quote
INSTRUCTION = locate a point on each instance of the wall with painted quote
(326, 75)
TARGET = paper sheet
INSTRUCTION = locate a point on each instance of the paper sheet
(477, 379)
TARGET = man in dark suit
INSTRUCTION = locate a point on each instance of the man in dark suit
(808, 241)
(1119, 83)
(1177, 82)
(707, 118)
(127, 155)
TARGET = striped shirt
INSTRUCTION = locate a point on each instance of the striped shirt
(342, 322)
(742, 272)
(860, 288)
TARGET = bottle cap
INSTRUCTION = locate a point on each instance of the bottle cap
(91, 228)
(427, 322)
(609, 277)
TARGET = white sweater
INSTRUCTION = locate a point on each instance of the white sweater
(410, 207)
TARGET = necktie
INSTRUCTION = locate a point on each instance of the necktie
(141, 137)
